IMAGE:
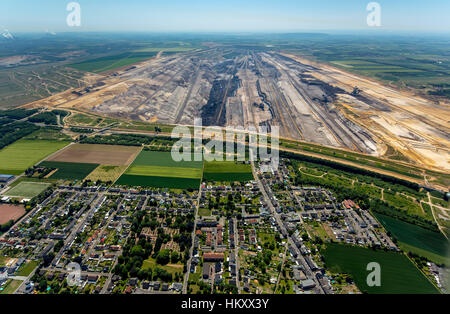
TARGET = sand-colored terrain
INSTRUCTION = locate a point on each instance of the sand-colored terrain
(417, 127)
(308, 101)
(97, 154)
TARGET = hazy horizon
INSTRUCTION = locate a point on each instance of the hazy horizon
(200, 16)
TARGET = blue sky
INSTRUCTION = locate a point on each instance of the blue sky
(224, 15)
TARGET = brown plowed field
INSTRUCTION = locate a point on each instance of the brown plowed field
(10, 212)
(97, 154)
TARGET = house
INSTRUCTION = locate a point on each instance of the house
(307, 284)
(115, 278)
(233, 269)
(207, 271)
(246, 284)
(61, 276)
(92, 278)
(165, 287)
(4, 178)
(133, 282)
(213, 257)
(177, 286)
(3, 274)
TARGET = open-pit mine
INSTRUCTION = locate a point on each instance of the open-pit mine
(253, 87)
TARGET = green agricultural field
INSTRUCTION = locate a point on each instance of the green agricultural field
(27, 189)
(106, 173)
(224, 171)
(398, 274)
(418, 240)
(193, 173)
(23, 154)
(107, 63)
(69, 170)
(159, 170)
(164, 159)
(159, 182)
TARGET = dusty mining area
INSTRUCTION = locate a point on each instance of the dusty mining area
(245, 87)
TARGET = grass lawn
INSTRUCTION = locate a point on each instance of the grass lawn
(49, 135)
(418, 240)
(81, 119)
(151, 263)
(3, 260)
(398, 273)
(26, 269)
(10, 287)
(27, 189)
(23, 154)
(204, 212)
(266, 237)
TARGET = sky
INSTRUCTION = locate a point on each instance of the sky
(225, 15)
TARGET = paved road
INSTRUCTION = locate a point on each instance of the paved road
(191, 250)
(236, 253)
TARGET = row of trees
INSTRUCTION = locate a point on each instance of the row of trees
(9, 133)
(17, 114)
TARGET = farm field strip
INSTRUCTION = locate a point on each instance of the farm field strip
(398, 273)
(192, 173)
(106, 173)
(69, 170)
(224, 171)
(10, 212)
(417, 240)
(23, 154)
(159, 170)
(158, 182)
(113, 155)
(164, 159)
(106, 63)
